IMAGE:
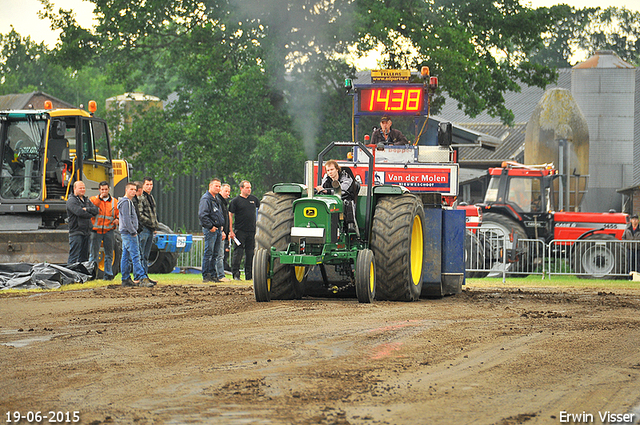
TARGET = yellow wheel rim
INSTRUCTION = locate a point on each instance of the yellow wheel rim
(417, 245)
(268, 279)
(372, 277)
(299, 272)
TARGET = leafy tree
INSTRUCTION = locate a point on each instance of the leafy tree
(273, 149)
(220, 109)
(150, 135)
(24, 65)
(616, 29)
(590, 30)
(558, 46)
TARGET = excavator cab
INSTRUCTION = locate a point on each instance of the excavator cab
(22, 145)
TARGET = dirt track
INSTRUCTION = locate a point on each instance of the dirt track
(207, 354)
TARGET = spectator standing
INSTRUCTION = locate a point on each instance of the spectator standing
(130, 248)
(148, 221)
(242, 226)
(80, 210)
(104, 225)
(632, 233)
(223, 201)
(212, 222)
(136, 203)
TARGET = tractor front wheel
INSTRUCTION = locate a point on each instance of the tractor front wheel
(397, 241)
(261, 281)
(365, 276)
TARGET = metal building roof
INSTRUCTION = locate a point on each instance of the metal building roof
(15, 101)
(23, 100)
(511, 147)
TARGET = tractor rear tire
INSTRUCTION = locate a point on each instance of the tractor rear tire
(598, 259)
(397, 242)
(273, 229)
(365, 276)
(261, 281)
(161, 261)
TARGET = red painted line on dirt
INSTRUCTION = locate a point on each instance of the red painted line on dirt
(385, 350)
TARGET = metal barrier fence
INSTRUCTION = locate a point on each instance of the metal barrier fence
(193, 258)
(491, 252)
(597, 257)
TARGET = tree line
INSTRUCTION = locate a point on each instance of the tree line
(258, 87)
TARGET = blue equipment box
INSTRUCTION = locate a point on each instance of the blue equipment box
(168, 242)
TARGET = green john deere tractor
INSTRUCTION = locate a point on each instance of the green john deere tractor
(305, 244)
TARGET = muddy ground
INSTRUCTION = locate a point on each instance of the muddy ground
(211, 354)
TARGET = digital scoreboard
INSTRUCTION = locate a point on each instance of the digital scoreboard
(392, 100)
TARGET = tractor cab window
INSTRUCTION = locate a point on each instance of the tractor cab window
(21, 159)
(525, 194)
(94, 141)
(492, 191)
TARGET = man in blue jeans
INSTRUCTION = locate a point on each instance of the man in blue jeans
(130, 248)
(212, 222)
(80, 210)
(148, 221)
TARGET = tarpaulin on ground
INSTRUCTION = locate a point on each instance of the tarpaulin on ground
(44, 275)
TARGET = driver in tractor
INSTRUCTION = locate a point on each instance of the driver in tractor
(385, 135)
(349, 189)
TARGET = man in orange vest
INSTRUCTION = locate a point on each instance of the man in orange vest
(104, 225)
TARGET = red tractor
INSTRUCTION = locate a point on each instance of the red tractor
(520, 202)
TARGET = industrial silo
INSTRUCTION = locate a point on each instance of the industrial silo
(558, 133)
(604, 87)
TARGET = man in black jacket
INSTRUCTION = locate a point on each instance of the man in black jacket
(242, 222)
(212, 222)
(80, 210)
(148, 219)
(386, 135)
